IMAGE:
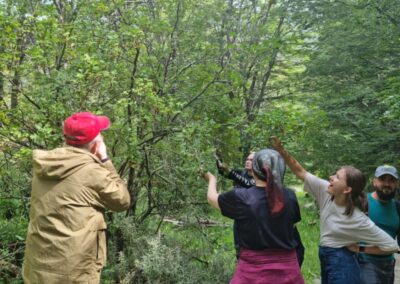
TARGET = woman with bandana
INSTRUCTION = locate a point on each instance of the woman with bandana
(265, 215)
(245, 179)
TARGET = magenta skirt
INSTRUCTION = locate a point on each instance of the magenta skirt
(267, 266)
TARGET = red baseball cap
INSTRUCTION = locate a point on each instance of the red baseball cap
(82, 127)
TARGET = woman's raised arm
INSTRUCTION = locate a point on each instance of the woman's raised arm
(291, 162)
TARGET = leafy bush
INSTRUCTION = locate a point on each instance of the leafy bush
(161, 264)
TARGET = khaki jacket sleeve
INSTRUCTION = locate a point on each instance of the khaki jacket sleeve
(111, 189)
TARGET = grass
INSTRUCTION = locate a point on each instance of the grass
(309, 231)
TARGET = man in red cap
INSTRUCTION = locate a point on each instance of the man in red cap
(72, 186)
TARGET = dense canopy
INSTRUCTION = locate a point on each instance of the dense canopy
(180, 79)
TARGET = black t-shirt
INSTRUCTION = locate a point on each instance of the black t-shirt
(256, 228)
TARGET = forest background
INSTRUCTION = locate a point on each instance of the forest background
(180, 79)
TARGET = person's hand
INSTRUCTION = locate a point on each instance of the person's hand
(225, 168)
(353, 248)
(200, 171)
(276, 143)
(101, 150)
(218, 155)
(208, 176)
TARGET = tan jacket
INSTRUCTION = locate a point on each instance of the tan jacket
(66, 242)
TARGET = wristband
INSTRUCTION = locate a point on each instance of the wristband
(105, 160)
(361, 249)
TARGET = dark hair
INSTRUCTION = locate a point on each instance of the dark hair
(357, 181)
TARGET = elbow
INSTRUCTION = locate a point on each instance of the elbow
(301, 174)
(126, 205)
(388, 252)
(121, 207)
(122, 204)
(392, 248)
(213, 200)
(210, 199)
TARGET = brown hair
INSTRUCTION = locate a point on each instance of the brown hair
(357, 181)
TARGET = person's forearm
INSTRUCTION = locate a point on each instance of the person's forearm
(241, 180)
(293, 164)
(212, 194)
(374, 250)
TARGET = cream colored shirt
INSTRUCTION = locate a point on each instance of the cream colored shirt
(338, 230)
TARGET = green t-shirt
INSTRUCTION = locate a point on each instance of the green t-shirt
(386, 217)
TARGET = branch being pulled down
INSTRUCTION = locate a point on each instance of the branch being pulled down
(201, 222)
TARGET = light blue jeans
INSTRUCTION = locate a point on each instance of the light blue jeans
(338, 266)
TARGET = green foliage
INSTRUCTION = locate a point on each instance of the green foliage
(11, 242)
(161, 264)
(353, 75)
(180, 79)
(170, 255)
(309, 232)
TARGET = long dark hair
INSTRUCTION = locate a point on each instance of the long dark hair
(357, 181)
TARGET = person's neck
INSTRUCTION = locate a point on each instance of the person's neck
(261, 183)
(340, 200)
